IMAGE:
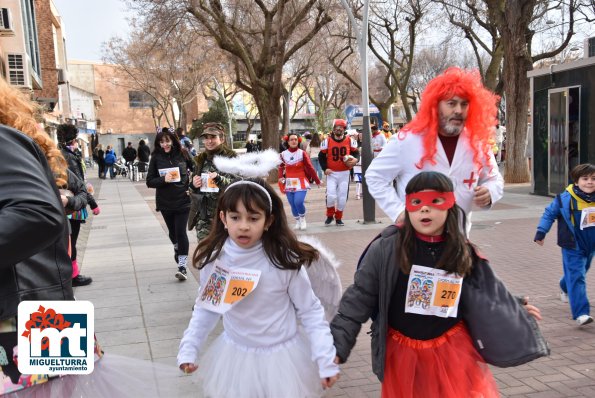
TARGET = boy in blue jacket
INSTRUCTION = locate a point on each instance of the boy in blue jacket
(575, 211)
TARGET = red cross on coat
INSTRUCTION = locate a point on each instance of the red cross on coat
(470, 180)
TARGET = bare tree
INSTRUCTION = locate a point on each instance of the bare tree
(516, 24)
(262, 36)
(295, 72)
(473, 19)
(504, 30)
(168, 68)
(328, 91)
(393, 29)
(429, 63)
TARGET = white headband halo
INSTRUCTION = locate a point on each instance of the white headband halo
(263, 189)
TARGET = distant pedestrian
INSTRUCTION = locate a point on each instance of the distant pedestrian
(250, 146)
(129, 154)
(101, 162)
(143, 153)
(207, 181)
(499, 140)
(575, 211)
(386, 131)
(185, 142)
(306, 138)
(313, 149)
(110, 160)
(430, 296)
(261, 353)
(378, 140)
(168, 173)
(295, 173)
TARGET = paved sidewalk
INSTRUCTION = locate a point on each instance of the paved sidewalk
(142, 310)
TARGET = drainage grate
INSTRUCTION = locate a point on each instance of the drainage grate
(99, 227)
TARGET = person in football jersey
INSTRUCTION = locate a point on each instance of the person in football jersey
(338, 154)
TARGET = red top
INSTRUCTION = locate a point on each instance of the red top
(336, 151)
(296, 164)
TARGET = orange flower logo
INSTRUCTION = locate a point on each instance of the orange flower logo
(43, 319)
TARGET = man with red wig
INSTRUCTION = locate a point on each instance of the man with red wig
(450, 134)
(338, 154)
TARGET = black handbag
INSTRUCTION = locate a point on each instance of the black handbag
(502, 330)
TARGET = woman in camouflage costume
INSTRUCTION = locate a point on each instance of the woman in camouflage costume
(207, 181)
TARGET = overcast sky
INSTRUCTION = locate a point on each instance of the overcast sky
(89, 23)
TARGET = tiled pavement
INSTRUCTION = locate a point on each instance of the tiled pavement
(142, 310)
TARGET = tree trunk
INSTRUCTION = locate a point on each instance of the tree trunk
(516, 87)
(286, 117)
(384, 113)
(406, 106)
(492, 78)
(517, 62)
(269, 109)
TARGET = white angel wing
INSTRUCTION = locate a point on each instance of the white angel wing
(254, 164)
(324, 277)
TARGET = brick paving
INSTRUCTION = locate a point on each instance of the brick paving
(504, 235)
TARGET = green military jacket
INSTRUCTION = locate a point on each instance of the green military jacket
(204, 204)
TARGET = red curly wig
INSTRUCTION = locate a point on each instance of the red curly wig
(481, 116)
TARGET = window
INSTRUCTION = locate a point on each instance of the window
(140, 99)
(16, 70)
(30, 28)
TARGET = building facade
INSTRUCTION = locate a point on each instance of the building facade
(562, 134)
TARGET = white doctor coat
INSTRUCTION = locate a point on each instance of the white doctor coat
(398, 161)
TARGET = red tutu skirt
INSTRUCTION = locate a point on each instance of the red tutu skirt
(448, 366)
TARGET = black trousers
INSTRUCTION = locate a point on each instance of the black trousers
(176, 222)
(75, 228)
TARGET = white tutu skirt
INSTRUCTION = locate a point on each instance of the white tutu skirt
(114, 376)
(229, 370)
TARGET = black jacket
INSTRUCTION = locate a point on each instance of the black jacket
(100, 157)
(171, 196)
(34, 262)
(143, 153)
(129, 154)
(75, 165)
(502, 331)
(79, 199)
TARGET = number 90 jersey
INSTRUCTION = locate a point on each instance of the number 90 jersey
(336, 150)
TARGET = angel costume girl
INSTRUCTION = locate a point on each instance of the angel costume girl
(261, 353)
(262, 297)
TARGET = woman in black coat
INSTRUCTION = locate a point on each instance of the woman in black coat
(168, 173)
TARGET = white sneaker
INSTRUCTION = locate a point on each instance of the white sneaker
(302, 223)
(563, 297)
(584, 320)
(298, 224)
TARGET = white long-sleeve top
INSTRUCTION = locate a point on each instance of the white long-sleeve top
(378, 143)
(398, 161)
(266, 317)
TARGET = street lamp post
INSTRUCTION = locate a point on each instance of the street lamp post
(362, 42)
(222, 96)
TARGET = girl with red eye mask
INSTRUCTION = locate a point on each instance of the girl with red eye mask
(439, 313)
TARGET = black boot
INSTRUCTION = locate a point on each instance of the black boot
(81, 280)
